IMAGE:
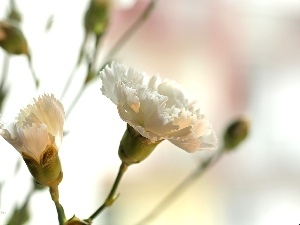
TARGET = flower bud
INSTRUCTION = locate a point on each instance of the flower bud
(236, 133)
(134, 147)
(76, 221)
(97, 17)
(12, 39)
(15, 15)
(48, 170)
(90, 76)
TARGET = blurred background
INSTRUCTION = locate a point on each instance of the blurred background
(235, 57)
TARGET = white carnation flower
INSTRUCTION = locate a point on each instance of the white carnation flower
(157, 109)
(37, 127)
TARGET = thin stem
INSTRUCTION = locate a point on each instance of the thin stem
(71, 76)
(4, 70)
(111, 197)
(60, 210)
(75, 100)
(35, 79)
(178, 190)
(67, 85)
(131, 30)
(96, 51)
(3, 78)
(60, 213)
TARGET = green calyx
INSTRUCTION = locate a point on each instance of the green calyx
(48, 171)
(76, 221)
(134, 147)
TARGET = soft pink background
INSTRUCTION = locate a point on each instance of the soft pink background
(236, 57)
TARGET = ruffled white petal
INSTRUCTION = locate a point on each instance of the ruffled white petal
(45, 110)
(110, 78)
(10, 134)
(157, 109)
(37, 125)
(35, 138)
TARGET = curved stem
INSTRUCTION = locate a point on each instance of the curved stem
(111, 197)
(60, 210)
(179, 189)
(60, 213)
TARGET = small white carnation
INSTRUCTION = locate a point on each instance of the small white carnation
(37, 126)
(157, 109)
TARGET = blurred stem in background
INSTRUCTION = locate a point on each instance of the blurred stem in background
(130, 32)
(21, 214)
(92, 71)
(3, 78)
(95, 23)
(12, 39)
(179, 189)
(234, 135)
(12, 14)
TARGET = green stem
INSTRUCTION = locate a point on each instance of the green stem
(35, 79)
(111, 197)
(60, 210)
(3, 78)
(179, 189)
(71, 76)
(60, 213)
(67, 85)
(131, 30)
(96, 51)
(75, 100)
(4, 70)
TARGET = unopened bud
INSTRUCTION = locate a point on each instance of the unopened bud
(90, 76)
(76, 221)
(12, 39)
(14, 13)
(134, 147)
(97, 17)
(236, 133)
